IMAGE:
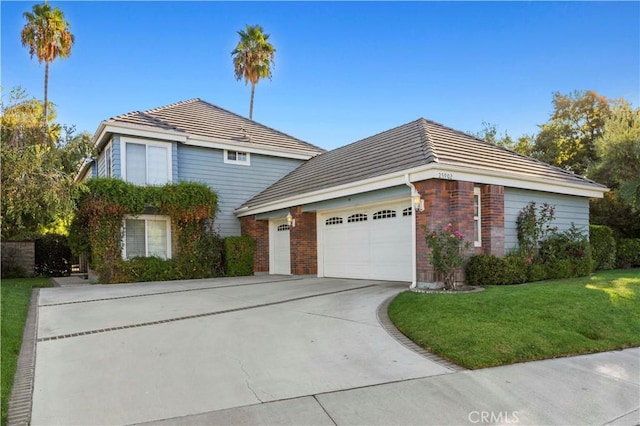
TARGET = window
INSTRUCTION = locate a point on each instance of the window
(358, 217)
(384, 214)
(333, 221)
(477, 229)
(236, 157)
(147, 163)
(407, 212)
(147, 236)
(107, 161)
(284, 227)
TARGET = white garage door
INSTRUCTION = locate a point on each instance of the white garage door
(280, 247)
(370, 242)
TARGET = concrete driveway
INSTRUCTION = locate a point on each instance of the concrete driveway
(136, 353)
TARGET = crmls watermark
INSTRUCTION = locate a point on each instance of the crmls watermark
(494, 417)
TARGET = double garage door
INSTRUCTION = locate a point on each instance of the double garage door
(371, 242)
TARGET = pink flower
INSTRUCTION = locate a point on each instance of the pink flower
(447, 228)
(529, 260)
(457, 233)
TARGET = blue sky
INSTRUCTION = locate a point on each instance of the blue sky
(344, 70)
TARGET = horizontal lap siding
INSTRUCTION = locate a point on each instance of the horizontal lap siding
(568, 209)
(233, 183)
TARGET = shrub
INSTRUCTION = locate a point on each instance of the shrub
(603, 246)
(446, 252)
(628, 253)
(536, 272)
(485, 269)
(516, 265)
(52, 256)
(238, 255)
(571, 246)
(140, 269)
(533, 227)
(558, 268)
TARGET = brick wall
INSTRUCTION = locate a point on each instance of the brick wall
(304, 243)
(492, 219)
(258, 230)
(21, 254)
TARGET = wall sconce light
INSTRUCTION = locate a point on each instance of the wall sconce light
(290, 220)
(418, 203)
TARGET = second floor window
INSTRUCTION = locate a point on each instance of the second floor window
(147, 164)
(236, 157)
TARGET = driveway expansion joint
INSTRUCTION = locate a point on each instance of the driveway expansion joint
(206, 314)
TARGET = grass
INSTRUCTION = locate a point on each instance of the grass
(16, 294)
(510, 324)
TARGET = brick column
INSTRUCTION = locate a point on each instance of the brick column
(492, 219)
(435, 216)
(258, 230)
(304, 243)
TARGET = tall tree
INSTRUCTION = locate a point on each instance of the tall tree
(619, 150)
(47, 36)
(38, 167)
(568, 139)
(523, 145)
(253, 58)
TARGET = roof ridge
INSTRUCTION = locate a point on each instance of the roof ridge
(428, 149)
(257, 123)
(188, 101)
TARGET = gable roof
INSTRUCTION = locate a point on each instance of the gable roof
(410, 147)
(196, 117)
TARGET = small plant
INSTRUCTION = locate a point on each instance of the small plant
(533, 226)
(446, 246)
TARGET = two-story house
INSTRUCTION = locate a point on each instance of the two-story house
(359, 211)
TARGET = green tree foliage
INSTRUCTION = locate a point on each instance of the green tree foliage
(47, 36)
(568, 139)
(253, 58)
(619, 150)
(38, 167)
(523, 145)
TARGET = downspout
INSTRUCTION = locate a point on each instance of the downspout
(414, 251)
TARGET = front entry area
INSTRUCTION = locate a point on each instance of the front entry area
(279, 247)
(369, 242)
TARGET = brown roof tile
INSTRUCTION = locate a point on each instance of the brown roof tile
(410, 145)
(200, 118)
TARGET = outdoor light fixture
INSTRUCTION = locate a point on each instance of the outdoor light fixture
(418, 203)
(290, 220)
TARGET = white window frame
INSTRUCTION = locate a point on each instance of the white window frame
(123, 154)
(146, 217)
(245, 162)
(477, 219)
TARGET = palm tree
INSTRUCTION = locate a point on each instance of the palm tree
(253, 58)
(47, 35)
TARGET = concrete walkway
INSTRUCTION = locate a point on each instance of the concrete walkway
(283, 350)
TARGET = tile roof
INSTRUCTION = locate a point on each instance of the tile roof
(200, 118)
(411, 145)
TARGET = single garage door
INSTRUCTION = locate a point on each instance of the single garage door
(370, 242)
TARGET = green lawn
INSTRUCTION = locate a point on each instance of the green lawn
(15, 294)
(509, 324)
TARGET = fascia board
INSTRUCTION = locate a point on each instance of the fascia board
(430, 171)
(107, 128)
(220, 143)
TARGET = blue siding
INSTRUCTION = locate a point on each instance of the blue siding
(364, 198)
(102, 164)
(116, 170)
(568, 209)
(233, 183)
(174, 162)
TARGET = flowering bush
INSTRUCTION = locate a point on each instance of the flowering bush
(446, 247)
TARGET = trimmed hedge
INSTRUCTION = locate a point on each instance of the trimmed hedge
(628, 253)
(238, 255)
(52, 256)
(603, 246)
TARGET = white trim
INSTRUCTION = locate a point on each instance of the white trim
(123, 155)
(217, 143)
(227, 160)
(146, 217)
(430, 171)
(478, 218)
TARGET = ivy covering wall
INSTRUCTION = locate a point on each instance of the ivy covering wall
(98, 225)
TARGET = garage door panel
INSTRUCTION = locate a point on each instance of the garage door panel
(374, 248)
